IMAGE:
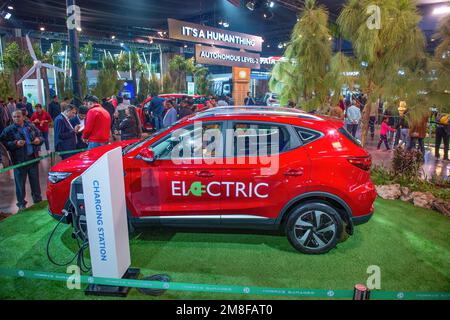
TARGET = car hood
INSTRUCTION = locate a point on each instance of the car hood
(83, 160)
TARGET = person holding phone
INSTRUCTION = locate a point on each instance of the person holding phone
(23, 139)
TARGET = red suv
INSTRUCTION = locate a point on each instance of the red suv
(314, 184)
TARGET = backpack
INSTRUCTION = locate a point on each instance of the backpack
(444, 119)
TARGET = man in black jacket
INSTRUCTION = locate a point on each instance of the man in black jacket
(54, 108)
(22, 139)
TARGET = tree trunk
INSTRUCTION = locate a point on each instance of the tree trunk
(365, 124)
(46, 86)
(133, 78)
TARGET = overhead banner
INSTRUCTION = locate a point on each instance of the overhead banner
(225, 57)
(192, 32)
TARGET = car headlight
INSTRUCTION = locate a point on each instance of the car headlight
(55, 177)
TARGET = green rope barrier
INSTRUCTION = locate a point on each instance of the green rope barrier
(51, 154)
(23, 164)
(232, 289)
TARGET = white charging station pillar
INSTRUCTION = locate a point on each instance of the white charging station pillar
(106, 216)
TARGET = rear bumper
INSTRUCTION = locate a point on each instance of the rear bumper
(361, 219)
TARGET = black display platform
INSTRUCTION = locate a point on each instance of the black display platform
(112, 291)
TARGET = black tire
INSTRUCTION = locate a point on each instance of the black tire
(308, 235)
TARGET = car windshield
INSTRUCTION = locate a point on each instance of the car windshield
(138, 144)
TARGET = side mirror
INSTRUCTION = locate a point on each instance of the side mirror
(147, 154)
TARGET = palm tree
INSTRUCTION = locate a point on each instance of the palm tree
(309, 71)
(108, 83)
(180, 67)
(382, 51)
(85, 57)
(440, 87)
(202, 81)
(130, 61)
(15, 58)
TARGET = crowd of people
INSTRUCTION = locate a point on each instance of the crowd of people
(24, 131)
(394, 128)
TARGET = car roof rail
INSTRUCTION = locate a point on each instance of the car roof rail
(261, 111)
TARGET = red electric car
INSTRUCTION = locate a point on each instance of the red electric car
(313, 184)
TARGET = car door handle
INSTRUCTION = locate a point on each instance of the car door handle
(205, 174)
(294, 172)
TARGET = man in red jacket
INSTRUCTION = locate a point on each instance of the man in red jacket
(41, 119)
(97, 125)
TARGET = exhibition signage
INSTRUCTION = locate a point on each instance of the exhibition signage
(225, 57)
(30, 90)
(192, 32)
(191, 88)
(106, 216)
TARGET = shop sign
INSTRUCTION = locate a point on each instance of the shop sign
(192, 32)
(225, 57)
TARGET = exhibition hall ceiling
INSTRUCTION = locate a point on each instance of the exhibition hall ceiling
(128, 19)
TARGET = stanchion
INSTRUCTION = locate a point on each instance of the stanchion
(361, 292)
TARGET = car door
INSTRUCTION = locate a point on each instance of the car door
(262, 185)
(182, 184)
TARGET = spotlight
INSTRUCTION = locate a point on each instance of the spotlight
(10, 7)
(151, 40)
(251, 5)
(122, 44)
(79, 29)
(185, 46)
(42, 28)
(267, 14)
(6, 15)
(270, 4)
(113, 37)
(220, 22)
(280, 46)
(441, 10)
(226, 24)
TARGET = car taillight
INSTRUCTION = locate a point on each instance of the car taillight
(363, 163)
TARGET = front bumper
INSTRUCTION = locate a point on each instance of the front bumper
(57, 217)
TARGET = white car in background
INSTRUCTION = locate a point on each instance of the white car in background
(271, 99)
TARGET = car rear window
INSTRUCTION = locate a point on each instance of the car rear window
(347, 134)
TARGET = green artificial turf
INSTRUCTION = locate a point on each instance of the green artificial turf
(409, 244)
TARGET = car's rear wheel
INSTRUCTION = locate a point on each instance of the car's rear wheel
(314, 227)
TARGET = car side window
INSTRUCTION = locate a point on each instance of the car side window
(307, 135)
(203, 140)
(252, 139)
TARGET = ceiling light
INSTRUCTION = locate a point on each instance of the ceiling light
(79, 29)
(226, 24)
(441, 10)
(6, 15)
(113, 37)
(185, 46)
(42, 28)
(122, 44)
(251, 5)
(271, 4)
(280, 46)
(10, 7)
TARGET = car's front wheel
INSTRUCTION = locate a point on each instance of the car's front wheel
(314, 227)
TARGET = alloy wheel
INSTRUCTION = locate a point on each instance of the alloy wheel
(315, 229)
